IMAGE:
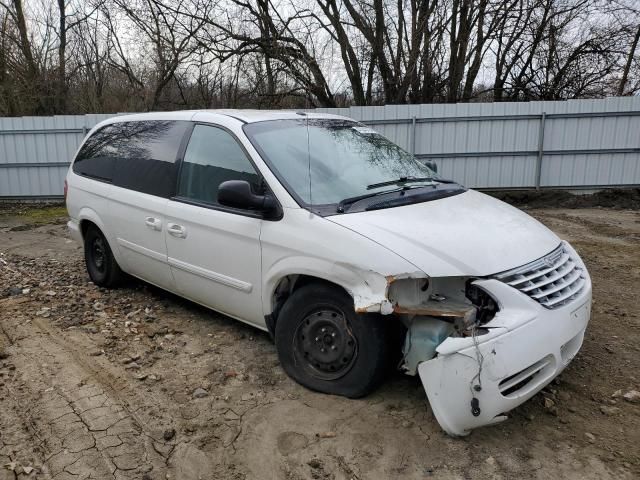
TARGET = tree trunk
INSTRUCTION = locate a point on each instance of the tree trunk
(6, 92)
(61, 94)
(350, 59)
(386, 73)
(25, 45)
(474, 68)
(627, 67)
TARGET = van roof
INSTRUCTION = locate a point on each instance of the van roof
(245, 116)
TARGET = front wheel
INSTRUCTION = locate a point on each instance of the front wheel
(326, 346)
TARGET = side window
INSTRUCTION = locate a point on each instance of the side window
(213, 156)
(146, 155)
(96, 158)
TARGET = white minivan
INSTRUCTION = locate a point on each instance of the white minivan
(350, 252)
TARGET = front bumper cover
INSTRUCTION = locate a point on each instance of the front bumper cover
(525, 348)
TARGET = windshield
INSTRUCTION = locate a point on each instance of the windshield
(324, 161)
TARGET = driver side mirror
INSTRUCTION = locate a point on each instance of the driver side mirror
(432, 165)
(238, 194)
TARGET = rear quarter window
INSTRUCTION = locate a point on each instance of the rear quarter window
(139, 156)
(96, 158)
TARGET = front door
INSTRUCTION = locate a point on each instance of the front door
(214, 251)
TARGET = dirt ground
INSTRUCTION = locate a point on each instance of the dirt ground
(137, 383)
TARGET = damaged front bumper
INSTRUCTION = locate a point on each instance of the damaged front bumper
(475, 381)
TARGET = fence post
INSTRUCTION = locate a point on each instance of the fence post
(413, 135)
(543, 118)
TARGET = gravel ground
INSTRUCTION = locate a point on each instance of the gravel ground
(138, 383)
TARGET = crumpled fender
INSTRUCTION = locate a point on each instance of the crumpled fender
(307, 244)
(368, 288)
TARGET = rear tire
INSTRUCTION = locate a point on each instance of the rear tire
(324, 345)
(102, 267)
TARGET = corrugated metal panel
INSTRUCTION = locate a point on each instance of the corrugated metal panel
(41, 149)
(587, 143)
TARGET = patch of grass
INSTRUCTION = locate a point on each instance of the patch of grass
(34, 213)
(46, 214)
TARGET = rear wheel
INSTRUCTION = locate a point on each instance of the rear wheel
(325, 346)
(102, 267)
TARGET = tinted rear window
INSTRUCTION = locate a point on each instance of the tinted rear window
(135, 155)
(96, 157)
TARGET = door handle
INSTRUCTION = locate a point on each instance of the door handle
(176, 230)
(153, 223)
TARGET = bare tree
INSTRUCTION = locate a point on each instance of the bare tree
(74, 56)
(167, 34)
(626, 15)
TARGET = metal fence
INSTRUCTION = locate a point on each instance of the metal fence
(35, 153)
(576, 144)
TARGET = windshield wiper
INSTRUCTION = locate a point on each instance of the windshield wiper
(408, 179)
(348, 201)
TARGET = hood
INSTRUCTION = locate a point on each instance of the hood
(471, 234)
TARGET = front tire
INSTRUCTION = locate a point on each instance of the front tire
(102, 267)
(326, 346)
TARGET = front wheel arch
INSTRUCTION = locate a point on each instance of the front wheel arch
(285, 287)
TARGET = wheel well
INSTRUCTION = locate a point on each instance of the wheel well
(286, 286)
(84, 226)
(303, 280)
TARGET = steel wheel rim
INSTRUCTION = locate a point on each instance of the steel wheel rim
(324, 344)
(99, 254)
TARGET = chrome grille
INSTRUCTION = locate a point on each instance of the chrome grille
(553, 280)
